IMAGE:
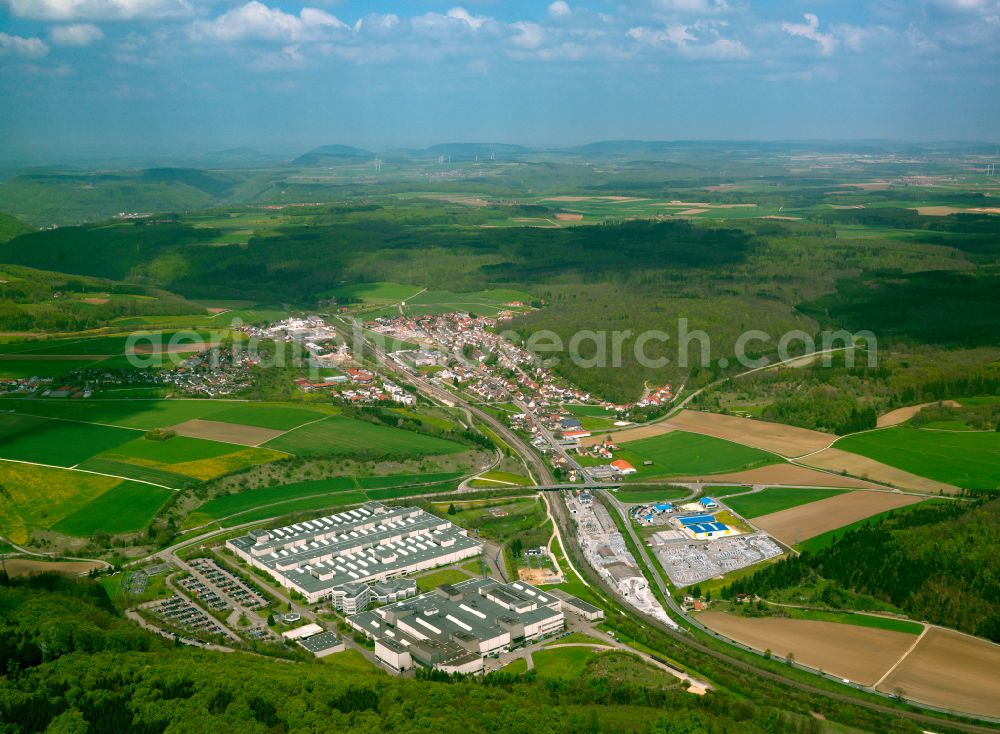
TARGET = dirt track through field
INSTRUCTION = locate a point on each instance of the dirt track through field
(800, 523)
(861, 466)
(26, 567)
(789, 475)
(227, 432)
(901, 415)
(860, 654)
(950, 670)
(629, 434)
(784, 440)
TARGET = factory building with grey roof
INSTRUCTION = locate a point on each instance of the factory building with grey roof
(454, 627)
(372, 543)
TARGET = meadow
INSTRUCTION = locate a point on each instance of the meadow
(965, 459)
(33, 497)
(60, 443)
(126, 508)
(690, 454)
(340, 436)
(774, 499)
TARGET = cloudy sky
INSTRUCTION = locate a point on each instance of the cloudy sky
(80, 77)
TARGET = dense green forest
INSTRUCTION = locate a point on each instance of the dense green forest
(937, 562)
(71, 664)
(842, 398)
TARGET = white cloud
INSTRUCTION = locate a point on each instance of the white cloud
(700, 7)
(559, 8)
(810, 30)
(256, 21)
(64, 10)
(77, 34)
(473, 21)
(289, 57)
(25, 48)
(527, 35)
(698, 41)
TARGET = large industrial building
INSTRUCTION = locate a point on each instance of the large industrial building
(454, 627)
(330, 557)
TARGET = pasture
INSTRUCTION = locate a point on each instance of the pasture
(231, 504)
(126, 508)
(277, 417)
(800, 523)
(340, 436)
(775, 499)
(35, 497)
(59, 443)
(142, 414)
(966, 459)
(680, 453)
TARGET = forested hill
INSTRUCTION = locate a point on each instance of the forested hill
(10, 227)
(938, 563)
(70, 663)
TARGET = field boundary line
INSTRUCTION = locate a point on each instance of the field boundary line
(88, 471)
(275, 438)
(902, 657)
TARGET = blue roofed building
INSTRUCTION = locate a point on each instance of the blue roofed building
(708, 503)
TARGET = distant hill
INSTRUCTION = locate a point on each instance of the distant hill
(11, 227)
(331, 154)
(471, 150)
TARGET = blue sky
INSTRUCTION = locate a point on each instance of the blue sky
(87, 77)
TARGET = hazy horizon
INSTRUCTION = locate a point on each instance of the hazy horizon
(119, 78)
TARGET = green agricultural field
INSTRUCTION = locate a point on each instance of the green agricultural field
(176, 450)
(27, 368)
(500, 479)
(393, 493)
(278, 417)
(127, 508)
(139, 472)
(966, 459)
(11, 424)
(774, 499)
(143, 414)
(402, 480)
(333, 503)
(340, 436)
(230, 504)
(376, 292)
(33, 497)
(60, 443)
(691, 454)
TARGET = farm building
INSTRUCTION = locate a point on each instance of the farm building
(708, 503)
(576, 433)
(623, 466)
(454, 627)
(371, 543)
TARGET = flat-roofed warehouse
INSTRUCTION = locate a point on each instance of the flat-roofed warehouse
(370, 543)
(454, 627)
